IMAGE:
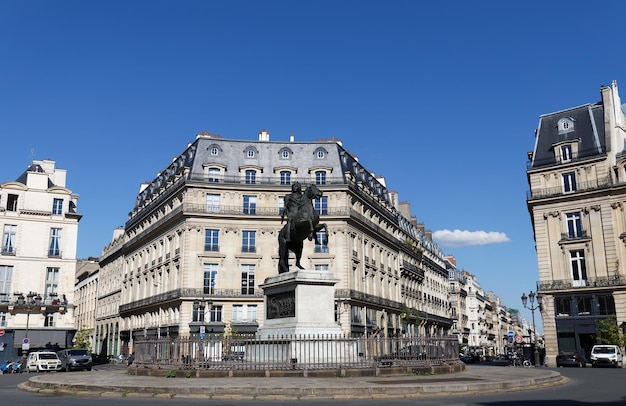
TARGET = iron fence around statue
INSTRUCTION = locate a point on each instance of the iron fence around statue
(295, 352)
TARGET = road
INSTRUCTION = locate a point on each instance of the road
(601, 386)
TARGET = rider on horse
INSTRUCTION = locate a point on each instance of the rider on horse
(302, 223)
(292, 203)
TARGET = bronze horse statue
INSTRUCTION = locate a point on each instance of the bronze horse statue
(303, 222)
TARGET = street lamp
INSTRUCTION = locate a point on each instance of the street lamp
(199, 310)
(28, 305)
(532, 309)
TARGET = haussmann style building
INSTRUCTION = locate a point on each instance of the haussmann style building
(203, 234)
(39, 223)
(577, 204)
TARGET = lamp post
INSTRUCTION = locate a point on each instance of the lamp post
(531, 296)
(27, 304)
(199, 309)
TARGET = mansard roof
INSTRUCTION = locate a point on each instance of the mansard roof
(32, 168)
(588, 130)
(266, 157)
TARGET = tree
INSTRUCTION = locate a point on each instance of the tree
(609, 332)
(81, 338)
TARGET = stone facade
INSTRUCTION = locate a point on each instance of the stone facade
(203, 236)
(39, 224)
(577, 193)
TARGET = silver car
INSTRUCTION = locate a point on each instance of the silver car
(75, 360)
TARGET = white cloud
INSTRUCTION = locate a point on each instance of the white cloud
(464, 238)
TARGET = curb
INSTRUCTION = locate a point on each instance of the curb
(297, 388)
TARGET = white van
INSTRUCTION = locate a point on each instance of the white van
(43, 361)
(606, 354)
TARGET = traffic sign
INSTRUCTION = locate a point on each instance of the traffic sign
(511, 336)
(25, 340)
(519, 339)
(1, 332)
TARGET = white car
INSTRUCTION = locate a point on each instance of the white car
(41, 361)
(606, 354)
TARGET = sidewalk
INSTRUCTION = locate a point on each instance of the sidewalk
(117, 383)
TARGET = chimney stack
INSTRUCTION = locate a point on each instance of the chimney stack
(264, 135)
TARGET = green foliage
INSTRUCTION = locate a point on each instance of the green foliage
(170, 374)
(609, 332)
(81, 338)
(409, 313)
(412, 245)
(188, 375)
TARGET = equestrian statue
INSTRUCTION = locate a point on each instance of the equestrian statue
(302, 223)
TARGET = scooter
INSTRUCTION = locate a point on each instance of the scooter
(6, 367)
(17, 367)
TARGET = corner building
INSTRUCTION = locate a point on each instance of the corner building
(203, 236)
(39, 222)
(577, 198)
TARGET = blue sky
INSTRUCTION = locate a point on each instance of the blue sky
(440, 98)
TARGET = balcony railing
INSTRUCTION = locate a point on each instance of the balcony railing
(574, 237)
(580, 187)
(240, 210)
(365, 297)
(54, 253)
(568, 284)
(186, 293)
(263, 180)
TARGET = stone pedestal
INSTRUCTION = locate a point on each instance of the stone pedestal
(300, 303)
(300, 328)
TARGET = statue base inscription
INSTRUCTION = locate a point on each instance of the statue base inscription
(300, 302)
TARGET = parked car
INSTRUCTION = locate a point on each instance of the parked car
(75, 360)
(571, 359)
(469, 358)
(41, 361)
(606, 355)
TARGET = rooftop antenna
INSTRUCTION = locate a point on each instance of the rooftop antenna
(32, 154)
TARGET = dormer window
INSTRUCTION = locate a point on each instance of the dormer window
(320, 153)
(565, 125)
(566, 150)
(285, 153)
(566, 153)
(250, 176)
(250, 152)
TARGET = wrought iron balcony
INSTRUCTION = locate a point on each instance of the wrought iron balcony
(186, 293)
(569, 284)
(241, 210)
(565, 237)
(580, 187)
(263, 180)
